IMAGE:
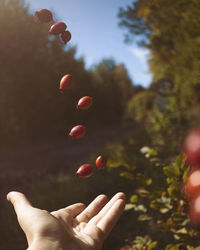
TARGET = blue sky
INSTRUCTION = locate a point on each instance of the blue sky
(95, 32)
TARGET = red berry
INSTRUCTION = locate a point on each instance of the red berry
(194, 212)
(66, 82)
(101, 162)
(44, 15)
(57, 28)
(65, 36)
(85, 102)
(191, 147)
(77, 132)
(85, 171)
(192, 185)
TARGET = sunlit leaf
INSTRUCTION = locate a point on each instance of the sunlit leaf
(174, 246)
(182, 231)
(140, 208)
(171, 171)
(152, 245)
(185, 222)
(164, 210)
(134, 198)
(180, 161)
(176, 237)
(142, 242)
(148, 152)
(144, 150)
(129, 206)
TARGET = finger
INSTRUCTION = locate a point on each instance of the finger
(107, 223)
(19, 202)
(71, 211)
(107, 207)
(68, 214)
(93, 208)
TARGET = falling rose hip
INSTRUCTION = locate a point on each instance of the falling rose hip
(101, 162)
(192, 185)
(77, 132)
(66, 82)
(191, 147)
(57, 28)
(85, 102)
(65, 36)
(85, 171)
(44, 15)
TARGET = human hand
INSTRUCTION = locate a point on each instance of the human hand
(74, 227)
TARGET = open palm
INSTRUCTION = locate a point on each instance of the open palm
(72, 227)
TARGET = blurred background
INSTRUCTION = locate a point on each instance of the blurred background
(140, 62)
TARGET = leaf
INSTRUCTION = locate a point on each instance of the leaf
(148, 152)
(143, 192)
(182, 231)
(174, 246)
(164, 210)
(176, 237)
(152, 245)
(185, 222)
(129, 206)
(134, 198)
(127, 175)
(142, 242)
(185, 173)
(144, 217)
(171, 171)
(174, 190)
(140, 208)
(190, 248)
(149, 182)
(144, 150)
(180, 161)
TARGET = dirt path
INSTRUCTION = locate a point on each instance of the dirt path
(21, 165)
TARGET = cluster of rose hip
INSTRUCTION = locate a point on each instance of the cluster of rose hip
(191, 186)
(77, 132)
(58, 28)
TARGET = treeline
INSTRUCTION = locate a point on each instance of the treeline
(171, 31)
(32, 62)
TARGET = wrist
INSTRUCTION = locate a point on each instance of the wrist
(46, 244)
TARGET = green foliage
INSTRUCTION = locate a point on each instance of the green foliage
(156, 197)
(144, 243)
(139, 105)
(162, 117)
(170, 30)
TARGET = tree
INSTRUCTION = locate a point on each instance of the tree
(115, 89)
(170, 29)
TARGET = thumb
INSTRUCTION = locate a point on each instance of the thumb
(19, 202)
(23, 209)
